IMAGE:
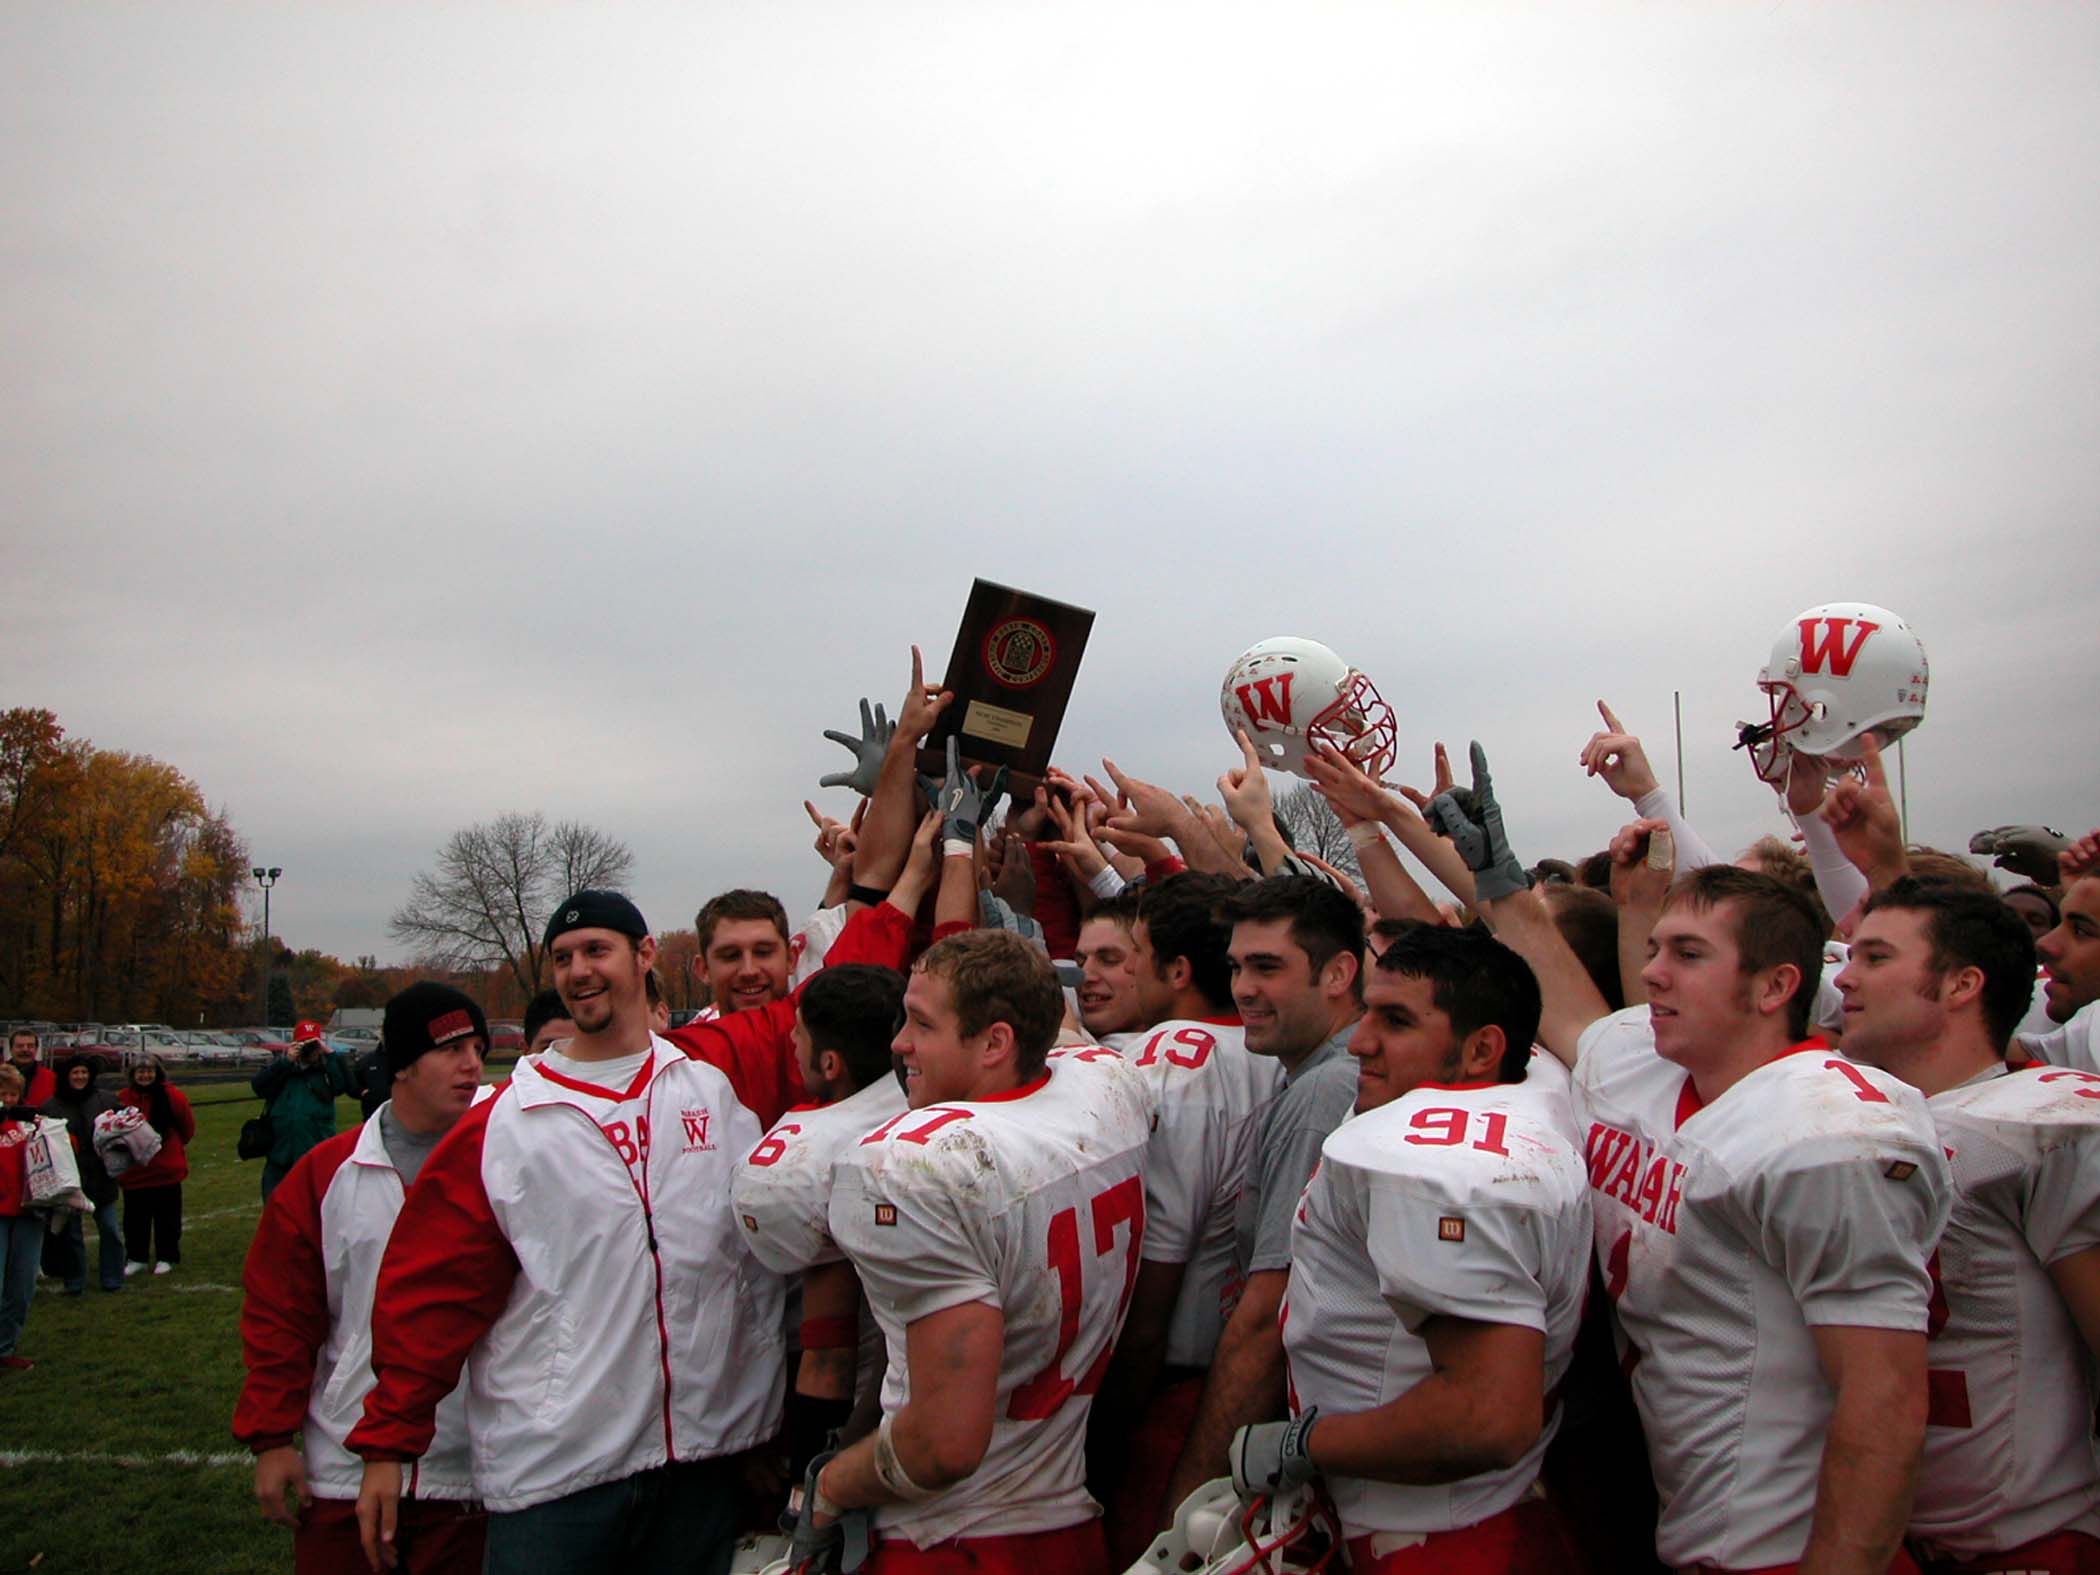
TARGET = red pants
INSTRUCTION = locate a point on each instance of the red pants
(436, 1536)
(1525, 1539)
(1074, 1550)
(1902, 1564)
(1135, 1504)
(2065, 1553)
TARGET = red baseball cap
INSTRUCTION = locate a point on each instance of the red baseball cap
(308, 1029)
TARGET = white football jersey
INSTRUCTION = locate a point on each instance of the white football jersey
(1810, 1193)
(782, 1190)
(1467, 1201)
(1210, 1092)
(1035, 1203)
(2009, 1449)
(2075, 1044)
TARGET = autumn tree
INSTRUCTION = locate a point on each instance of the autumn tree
(119, 888)
(487, 902)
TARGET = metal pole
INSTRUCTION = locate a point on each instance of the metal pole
(1902, 793)
(1677, 704)
(265, 878)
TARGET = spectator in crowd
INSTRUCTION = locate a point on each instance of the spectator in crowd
(37, 1081)
(21, 1232)
(153, 1191)
(546, 1020)
(77, 1103)
(306, 1321)
(299, 1090)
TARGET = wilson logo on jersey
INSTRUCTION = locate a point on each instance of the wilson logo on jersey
(751, 1223)
(1450, 1228)
(1832, 648)
(1623, 1167)
(1267, 700)
(885, 1213)
(1900, 1170)
(696, 1124)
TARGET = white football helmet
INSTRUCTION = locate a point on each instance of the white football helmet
(1215, 1534)
(1289, 694)
(1836, 673)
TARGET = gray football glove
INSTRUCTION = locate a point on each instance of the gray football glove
(1271, 1457)
(1478, 834)
(964, 803)
(835, 1549)
(2029, 851)
(868, 750)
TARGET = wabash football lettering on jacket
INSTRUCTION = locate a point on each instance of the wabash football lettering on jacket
(2010, 1454)
(1211, 1093)
(1462, 1202)
(1033, 1202)
(1812, 1192)
(580, 1241)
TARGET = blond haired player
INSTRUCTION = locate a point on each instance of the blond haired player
(996, 1227)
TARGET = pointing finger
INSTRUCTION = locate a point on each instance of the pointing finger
(1610, 721)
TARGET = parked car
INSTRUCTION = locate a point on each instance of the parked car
(506, 1038)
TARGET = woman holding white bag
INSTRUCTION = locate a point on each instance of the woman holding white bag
(153, 1190)
(21, 1232)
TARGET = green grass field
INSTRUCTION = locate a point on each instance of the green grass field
(134, 1393)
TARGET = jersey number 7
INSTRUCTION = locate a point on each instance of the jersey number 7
(1122, 1204)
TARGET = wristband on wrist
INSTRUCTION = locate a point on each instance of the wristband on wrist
(820, 1502)
(889, 1470)
(871, 895)
(1106, 882)
(958, 848)
(1364, 834)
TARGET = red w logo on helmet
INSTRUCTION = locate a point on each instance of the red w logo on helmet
(1832, 648)
(1267, 699)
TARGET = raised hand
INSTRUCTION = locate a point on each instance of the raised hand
(1476, 831)
(1245, 790)
(1807, 781)
(1641, 864)
(868, 750)
(923, 703)
(1445, 782)
(1355, 796)
(965, 803)
(1074, 844)
(1140, 806)
(836, 839)
(2029, 851)
(2080, 859)
(1862, 815)
(1617, 756)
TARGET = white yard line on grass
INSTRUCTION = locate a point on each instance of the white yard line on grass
(204, 1285)
(218, 1214)
(176, 1457)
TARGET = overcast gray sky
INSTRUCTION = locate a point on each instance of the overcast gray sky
(413, 413)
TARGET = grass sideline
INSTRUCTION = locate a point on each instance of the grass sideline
(147, 1377)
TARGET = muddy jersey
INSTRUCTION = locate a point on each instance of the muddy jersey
(2075, 1044)
(782, 1189)
(1032, 1202)
(1812, 1192)
(1466, 1201)
(2009, 1449)
(1210, 1092)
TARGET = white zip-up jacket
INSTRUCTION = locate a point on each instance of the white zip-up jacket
(306, 1322)
(580, 1242)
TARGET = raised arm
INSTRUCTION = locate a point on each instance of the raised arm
(1619, 760)
(1516, 913)
(893, 810)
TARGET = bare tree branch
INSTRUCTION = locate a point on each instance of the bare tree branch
(487, 901)
(1315, 828)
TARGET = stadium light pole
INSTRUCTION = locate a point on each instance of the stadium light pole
(265, 878)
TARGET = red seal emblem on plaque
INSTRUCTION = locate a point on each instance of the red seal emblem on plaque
(1019, 652)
